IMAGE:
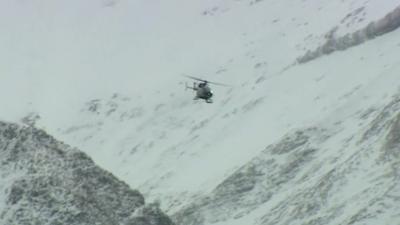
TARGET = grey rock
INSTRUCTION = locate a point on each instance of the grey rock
(255, 182)
(301, 179)
(51, 183)
(380, 27)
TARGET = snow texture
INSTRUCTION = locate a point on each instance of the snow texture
(316, 181)
(377, 28)
(289, 143)
(46, 182)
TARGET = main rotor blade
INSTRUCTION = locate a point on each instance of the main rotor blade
(195, 78)
(220, 84)
(210, 82)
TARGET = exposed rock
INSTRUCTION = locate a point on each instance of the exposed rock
(304, 179)
(47, 182)
(387, 24)
(254, 183)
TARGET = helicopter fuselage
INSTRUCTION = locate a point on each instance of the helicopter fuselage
(204, 92)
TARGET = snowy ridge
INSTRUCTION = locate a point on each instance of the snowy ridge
(177, 141)
(43, 181)
(376, 28)
(105, 76)
(306, 179)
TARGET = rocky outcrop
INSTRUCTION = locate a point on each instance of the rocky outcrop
(387, 24)
(43, 181)
(255, 183)
(315, 176)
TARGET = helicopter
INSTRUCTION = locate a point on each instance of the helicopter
(202, 89)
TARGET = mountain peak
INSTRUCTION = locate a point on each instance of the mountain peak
(47, 182)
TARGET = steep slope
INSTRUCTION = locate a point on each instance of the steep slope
(188, 148)
(339, 171)
(107, 79)
(374, 29)
(320, 175)
(43, 181)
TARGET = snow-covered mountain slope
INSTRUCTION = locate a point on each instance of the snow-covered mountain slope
(340, 173)
(43, 181)
(374, 29)
(345, 103)
(105, 76)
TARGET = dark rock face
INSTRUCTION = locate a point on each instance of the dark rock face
(150, 215)
(392, 145)
(387, 24)
(314, 176)
(254, 183)
(47, 182)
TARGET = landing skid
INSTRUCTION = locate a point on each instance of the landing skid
(206, 100)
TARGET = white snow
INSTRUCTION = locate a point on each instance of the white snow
(57, 55)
